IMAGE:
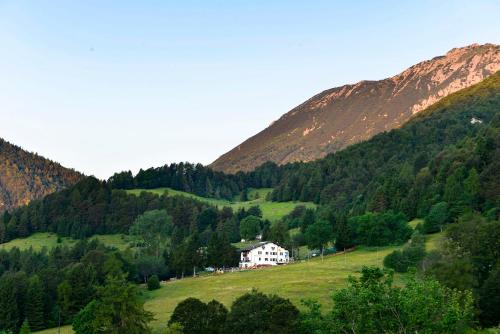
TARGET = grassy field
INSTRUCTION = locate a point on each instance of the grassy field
(270, 210)
(316, 279)
(49, 240)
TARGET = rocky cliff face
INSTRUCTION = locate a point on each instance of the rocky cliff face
(345, 115)
(26, 176)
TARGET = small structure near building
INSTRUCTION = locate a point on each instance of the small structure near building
(264, 253)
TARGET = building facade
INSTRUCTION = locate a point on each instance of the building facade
(263, 254)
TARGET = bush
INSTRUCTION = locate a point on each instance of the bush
(379, 229)
(371, 304)
(410, 256)
(153, 283)
(256, 312)
(196, 317)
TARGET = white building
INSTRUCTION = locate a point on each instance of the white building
(263, 254)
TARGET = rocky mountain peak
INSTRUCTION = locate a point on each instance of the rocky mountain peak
(341, 116)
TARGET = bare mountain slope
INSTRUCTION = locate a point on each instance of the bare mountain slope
(342, 116)
(25, 176)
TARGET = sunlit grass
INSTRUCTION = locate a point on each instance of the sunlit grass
(270, 210)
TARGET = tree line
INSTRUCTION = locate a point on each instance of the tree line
(199, 180)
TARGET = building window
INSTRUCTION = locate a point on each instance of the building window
(265, 259)
(260, 252)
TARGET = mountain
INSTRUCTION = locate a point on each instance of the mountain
(26, 176)
(448, 153)
(339, 117)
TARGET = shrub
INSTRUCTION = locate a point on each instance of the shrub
(379, 229)
(410, 256)
(153, 283)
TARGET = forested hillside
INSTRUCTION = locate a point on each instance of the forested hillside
(26, 176)
(442, 167)
(339, 117)
(199, 180)
(449, 152)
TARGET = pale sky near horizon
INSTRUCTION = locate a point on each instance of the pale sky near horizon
(105, 86)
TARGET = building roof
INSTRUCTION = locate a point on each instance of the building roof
(259, 244)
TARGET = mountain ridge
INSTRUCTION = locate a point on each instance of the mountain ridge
(26, 176)
(341, 116)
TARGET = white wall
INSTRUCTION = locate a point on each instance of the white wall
(268, 254)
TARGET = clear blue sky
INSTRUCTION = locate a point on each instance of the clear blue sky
(104, 86)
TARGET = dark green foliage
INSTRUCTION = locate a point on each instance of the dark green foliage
(25, 328)
(254, 211)
(220, 253)
(65, 275)
(437, 156)
(196, 179)
(216, 317)
(76, 290)
(409, 256)
(379, 229)
(148, 265)
(489, 299)
(84, 320)
(438, 216)
(116, 310)
(250, 226)
(153, 283)
(468, 260)
(371, 304)
(318, 235)
(151, 230)
(187, 256)
(13, 286)
(196, 317)
(278, 232)
(190, 313)
(256, 312)
(35, 303)
(92, 206)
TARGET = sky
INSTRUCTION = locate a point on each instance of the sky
(105, 86)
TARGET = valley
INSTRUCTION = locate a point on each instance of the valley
(133, 243)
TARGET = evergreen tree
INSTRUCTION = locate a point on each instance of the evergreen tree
(117, 310)
(25, 328)
(153, 283)
(35, 304)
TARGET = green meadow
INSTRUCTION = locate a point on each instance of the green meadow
(313, 279)
(270, 210)
(49, 240)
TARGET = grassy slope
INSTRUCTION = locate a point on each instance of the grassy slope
(49, 240)
(271, 210)
(315, 279)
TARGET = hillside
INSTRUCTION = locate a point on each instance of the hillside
(342, 116)
(257, 197)
(25, 176)
(437, 156)
(315, 279)
(48, 240)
